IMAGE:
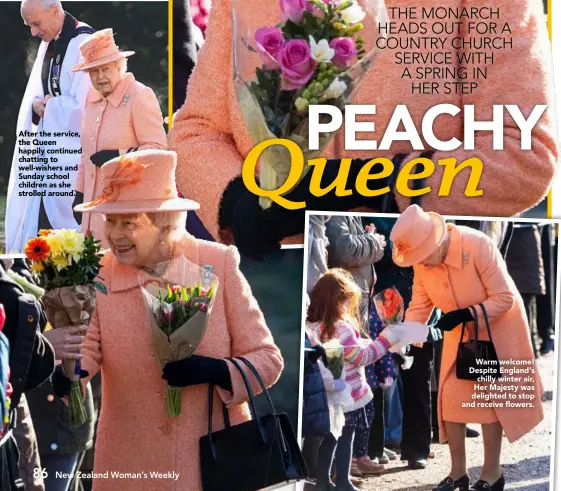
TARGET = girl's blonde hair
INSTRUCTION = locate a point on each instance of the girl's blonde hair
(327, 299)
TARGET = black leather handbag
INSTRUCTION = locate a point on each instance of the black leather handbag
(477, 358)
(262, 453)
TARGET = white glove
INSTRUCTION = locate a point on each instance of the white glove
(404, 333)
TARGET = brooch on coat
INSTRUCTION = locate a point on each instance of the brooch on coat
(466, 258)
(207, 272)
(126, 100)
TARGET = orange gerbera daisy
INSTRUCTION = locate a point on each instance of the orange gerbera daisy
(45, 231)
(37, 249)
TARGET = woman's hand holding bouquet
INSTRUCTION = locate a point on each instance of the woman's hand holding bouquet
(179, 296)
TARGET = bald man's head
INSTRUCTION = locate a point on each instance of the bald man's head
(45, 18)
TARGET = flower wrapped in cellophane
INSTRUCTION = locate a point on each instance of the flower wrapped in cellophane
(391, 311)
(179, 296)
(315, 55)
(389, 305)
(67, 263)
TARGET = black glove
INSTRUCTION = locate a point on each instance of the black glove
(454, 318)
(197, 370)
(61, 383)
(78, 200)
(99, 158)
(318, 353)
(257, 231)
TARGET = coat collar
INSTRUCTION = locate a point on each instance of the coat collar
(455, 249)
(116, 97)
(124, 277)
(68, 27)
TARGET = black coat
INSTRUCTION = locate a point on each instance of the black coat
(184, 51)
(32, 361)
(525, 261)
(315, 412)
(32, 358)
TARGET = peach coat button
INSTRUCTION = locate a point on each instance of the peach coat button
(166, 429)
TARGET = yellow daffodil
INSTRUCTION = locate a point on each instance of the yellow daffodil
(60, 262)
(38, 267)
(73, 243)
(56, 244)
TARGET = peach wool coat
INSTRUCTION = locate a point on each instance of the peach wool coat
(134, 433)
(130, 117)
(211, 140)
(472, 273)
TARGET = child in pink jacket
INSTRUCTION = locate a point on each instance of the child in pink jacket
(333, 314)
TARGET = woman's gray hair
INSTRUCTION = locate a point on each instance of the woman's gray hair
(170, 223)
(123, 64)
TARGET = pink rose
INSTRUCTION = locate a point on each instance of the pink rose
(345, 50)
(296, 64)
(269, 41)
(293, 10)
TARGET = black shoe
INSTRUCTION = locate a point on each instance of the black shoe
(418, 464)
(547, 346)
(480, 485)
(450, 485)
(471, 433)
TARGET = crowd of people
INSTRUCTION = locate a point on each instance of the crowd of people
(441, 270)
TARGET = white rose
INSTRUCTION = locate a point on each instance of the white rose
(321, 52)
(335, 89)
(353, 14)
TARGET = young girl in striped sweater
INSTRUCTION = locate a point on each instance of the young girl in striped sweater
(333, 314)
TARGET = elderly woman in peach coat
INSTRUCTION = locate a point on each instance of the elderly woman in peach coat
(144, 223)
(456, 268)
(121, 115)
(211, 139)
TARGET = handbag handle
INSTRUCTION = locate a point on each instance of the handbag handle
(487, 324)
(253, 409)
(261, 383)
(476, 322)
(285, 448)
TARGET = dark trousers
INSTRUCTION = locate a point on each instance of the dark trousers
(377, 430)
(43, 221)
(434, 394)
(530, 306)
(310, 454)
(416, 434)
(342, 450)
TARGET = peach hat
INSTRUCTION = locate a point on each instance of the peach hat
(416, 235)
(139, 182)
(99, 49)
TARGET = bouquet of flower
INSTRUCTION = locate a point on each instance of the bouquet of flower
(389, 305)
(334, 354)
(390, 308)
(314, 56)
(67, 263)
(179, 296)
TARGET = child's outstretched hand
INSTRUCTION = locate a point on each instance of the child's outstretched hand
(404, 333)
